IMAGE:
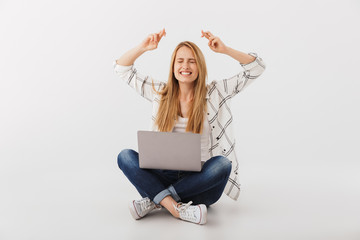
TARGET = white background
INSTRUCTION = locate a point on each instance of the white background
(65, 117)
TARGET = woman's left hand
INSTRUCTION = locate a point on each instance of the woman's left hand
(215, 43)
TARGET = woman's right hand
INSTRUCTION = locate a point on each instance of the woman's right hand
(151, 42)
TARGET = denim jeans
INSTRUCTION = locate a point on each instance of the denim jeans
(203, 187)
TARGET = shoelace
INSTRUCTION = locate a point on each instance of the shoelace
(185, 212)
(145, 204)
(182, 206)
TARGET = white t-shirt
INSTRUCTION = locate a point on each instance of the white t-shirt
(180, 126)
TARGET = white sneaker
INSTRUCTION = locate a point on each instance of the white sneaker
(139, 208)
(192, 213)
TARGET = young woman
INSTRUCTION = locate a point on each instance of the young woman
(187, 104)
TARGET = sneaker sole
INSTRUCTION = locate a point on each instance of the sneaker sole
(133, 211)
(203, 210)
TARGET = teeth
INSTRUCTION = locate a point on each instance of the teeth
(185, 73)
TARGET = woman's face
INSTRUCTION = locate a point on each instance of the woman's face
(185, 67)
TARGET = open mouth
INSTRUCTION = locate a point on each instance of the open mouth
(185, 73)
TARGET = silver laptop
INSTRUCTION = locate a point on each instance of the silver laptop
(169, 150)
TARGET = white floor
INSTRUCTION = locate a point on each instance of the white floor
(275, 203)
(65, 115)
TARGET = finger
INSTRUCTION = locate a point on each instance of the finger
(159, 35)
(162, 33)
(205, 34)
(211, 46)
(210, 34)
(212, 38)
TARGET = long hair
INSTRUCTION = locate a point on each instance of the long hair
(169, 107)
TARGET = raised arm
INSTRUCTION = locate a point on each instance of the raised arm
(241, 57)
(218, 46)
(149, 43)
(125, 70)
(253, 66)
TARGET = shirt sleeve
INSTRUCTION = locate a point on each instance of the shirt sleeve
(142, 84)
(232, 86)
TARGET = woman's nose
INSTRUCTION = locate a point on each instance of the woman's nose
(185, 65)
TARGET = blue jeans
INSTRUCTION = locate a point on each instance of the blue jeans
(203, 187)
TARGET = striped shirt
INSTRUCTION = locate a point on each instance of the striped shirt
(219, 116)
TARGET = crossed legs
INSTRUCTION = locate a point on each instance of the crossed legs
(167, 188)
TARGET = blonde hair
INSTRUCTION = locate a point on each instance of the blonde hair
(169, 107)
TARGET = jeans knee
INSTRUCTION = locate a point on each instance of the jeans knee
(224, 165)
(125, 157)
